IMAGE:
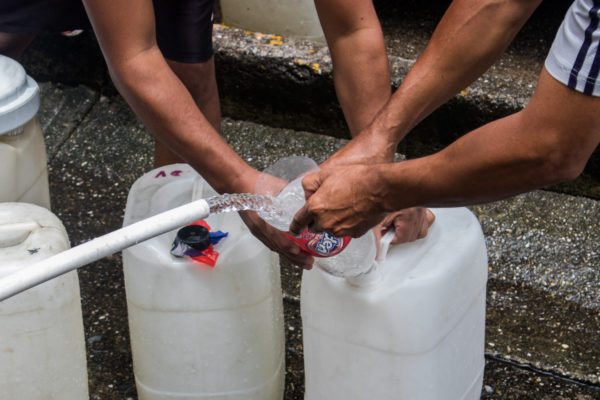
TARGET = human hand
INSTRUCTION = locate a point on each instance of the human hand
(409, 225)
(276, 240)
(342, 201)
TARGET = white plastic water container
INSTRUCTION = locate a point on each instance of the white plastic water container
(282, 17)
(24, 175)
(413, 329)
(42, 348)
(199, 332)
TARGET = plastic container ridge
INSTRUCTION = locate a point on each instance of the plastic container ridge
(199, 332)
(42, 345)
(415, 332)
(22, 149)
(281, 17)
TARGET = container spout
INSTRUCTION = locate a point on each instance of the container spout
(102, 246)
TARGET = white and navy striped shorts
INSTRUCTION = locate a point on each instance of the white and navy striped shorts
(574, 58)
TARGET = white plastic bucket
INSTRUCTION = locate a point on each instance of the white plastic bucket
(42, 348)
(282, 17)
(414, 332)
(199, 332)
(22, 150)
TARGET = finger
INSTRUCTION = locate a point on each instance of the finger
(404, 231)
(430, 216)
(387, 223)
(301, 220)
(315, 227)
(427, 222)
(378, 232)
(291, 251)
(311, 183)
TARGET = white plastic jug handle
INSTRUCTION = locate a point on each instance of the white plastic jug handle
(375, 275)
(384, 245)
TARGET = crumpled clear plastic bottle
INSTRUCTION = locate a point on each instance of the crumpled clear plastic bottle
(342, 257)
(356, 259)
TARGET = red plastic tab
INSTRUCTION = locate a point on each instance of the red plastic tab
(209, 258)
(210, 254)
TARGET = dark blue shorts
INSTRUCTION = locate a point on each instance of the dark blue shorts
(183, 27)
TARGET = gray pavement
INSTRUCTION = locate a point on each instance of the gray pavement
(543, 303)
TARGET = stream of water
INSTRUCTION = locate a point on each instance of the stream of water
(267, 205)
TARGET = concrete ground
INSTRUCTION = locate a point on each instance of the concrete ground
(543, 303)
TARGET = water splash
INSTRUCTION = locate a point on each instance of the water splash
(356, 259)
(266, 205)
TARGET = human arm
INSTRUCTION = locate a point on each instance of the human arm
(126, 34)
(361, 75)
(547, 142)
(470, 37)
(474, 32)
(471, 31)
(362, 81)
(360, 66)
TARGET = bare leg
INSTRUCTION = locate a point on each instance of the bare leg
(200, 80)
(13, 44)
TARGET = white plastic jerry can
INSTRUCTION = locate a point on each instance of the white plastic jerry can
(24, 176)
(201, 332)
(281, 17)
(42, 348)
(413, 328)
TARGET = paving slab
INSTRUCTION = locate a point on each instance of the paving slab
(62, 110)
(543, 319)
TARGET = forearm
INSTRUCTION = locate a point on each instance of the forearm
(468, 40)
(488, 164)
(360, 64)
(164, 105)
(548, 142)
(363, 82)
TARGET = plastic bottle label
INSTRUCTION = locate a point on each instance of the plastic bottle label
(320, 244)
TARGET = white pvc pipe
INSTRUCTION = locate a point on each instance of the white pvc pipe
(102, 246)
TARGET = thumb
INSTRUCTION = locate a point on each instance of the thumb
(300, 221)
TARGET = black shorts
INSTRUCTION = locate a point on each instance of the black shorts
(183, 27)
